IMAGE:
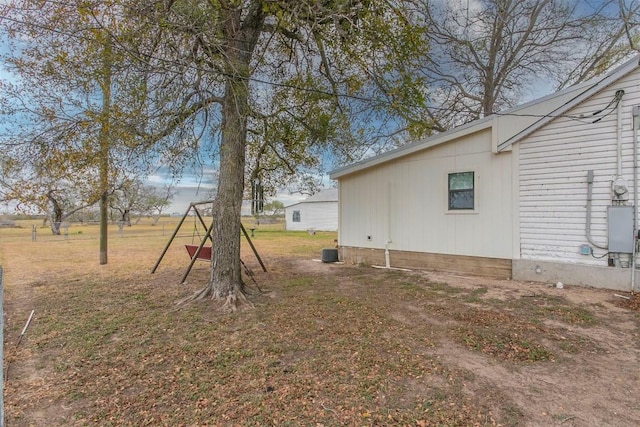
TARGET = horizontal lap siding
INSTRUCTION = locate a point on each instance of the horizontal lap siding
(553, 165)
(321, 216)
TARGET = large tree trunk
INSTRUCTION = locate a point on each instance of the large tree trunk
(226, 283)
(226, 280)
(54, 224)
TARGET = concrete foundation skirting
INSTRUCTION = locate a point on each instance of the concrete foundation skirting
(479, 266)
(614, 278)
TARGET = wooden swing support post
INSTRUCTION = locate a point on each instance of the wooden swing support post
(194, 257)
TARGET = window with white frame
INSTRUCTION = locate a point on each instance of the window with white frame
(296, 216)
(461, 191)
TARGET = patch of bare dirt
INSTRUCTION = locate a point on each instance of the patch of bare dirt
(594, 385)
(327, 344)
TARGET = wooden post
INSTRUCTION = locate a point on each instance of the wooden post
(1, 349)
(175, 232)
(253, 248)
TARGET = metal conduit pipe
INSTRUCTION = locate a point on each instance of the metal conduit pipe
(619, 154)
(636, 125)
(589, 199)
(619, 135)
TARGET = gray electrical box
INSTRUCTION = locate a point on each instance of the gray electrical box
(620, 226)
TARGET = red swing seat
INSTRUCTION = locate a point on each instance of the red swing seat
(205, 252)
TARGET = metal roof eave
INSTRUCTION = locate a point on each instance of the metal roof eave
(405, 150)
(610, 78)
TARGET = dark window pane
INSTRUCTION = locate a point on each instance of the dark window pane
(461, 190)
(461, 181)
(296, 216)
(461, 199)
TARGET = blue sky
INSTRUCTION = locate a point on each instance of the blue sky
(196, 185)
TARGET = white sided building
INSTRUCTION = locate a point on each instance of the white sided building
(316, 213)
(544, 192)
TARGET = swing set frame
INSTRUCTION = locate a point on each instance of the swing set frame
(196, 252)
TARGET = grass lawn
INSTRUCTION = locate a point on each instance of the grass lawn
(325, 344)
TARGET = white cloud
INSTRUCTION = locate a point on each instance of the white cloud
(288, 199)
(185, 196)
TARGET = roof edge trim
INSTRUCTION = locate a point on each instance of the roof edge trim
(405, 150)
(615, 75)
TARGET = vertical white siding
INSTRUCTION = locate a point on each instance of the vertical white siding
(405, 201)
(553, 165)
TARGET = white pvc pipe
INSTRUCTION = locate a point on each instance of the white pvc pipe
(387, 260)
(25, 327)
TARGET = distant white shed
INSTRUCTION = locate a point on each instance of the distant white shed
(318, 212)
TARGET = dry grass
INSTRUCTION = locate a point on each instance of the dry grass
(326, 344)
